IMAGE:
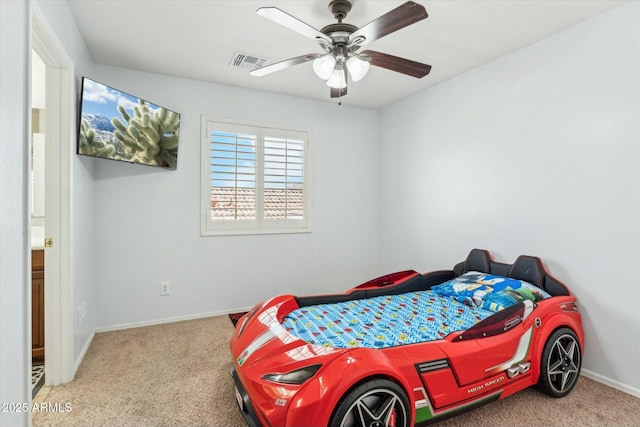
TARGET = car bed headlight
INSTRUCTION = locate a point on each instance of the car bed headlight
(294, 377)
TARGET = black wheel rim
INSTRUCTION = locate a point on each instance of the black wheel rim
(563, 366)
(376, 408)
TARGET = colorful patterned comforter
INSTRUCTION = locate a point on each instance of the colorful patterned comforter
(385, 321)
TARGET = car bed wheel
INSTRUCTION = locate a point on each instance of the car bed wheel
(375, 403)
(560, 365)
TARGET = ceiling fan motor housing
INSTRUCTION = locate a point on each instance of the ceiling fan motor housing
(339, 32)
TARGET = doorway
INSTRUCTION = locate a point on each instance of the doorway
(37, 212)
(57, 125)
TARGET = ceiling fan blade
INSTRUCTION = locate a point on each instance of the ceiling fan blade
(394, 63)
(338, 93)
(285, 64)
(402, 16)
(292, 23)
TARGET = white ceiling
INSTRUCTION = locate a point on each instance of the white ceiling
(197, 39)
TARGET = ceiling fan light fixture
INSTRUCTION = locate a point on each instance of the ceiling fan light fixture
(323, 66)
(357, 68)
(338, 79)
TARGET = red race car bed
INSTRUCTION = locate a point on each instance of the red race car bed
(408, 348)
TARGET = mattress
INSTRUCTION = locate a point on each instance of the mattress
(384, 321)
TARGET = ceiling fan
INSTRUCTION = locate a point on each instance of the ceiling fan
(341, 43)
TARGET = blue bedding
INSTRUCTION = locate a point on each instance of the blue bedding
(384, 321)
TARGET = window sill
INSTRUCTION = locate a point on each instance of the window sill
(213, 233)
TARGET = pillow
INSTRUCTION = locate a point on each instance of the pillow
(488, 291)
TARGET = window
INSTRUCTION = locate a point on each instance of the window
(255, 179)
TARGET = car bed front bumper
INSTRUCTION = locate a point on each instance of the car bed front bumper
(244, 403)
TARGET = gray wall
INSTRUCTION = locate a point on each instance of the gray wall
(148, 219)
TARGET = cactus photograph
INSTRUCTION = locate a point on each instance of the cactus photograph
(118, 126)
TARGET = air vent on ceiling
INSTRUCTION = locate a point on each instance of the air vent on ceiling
(245, 60)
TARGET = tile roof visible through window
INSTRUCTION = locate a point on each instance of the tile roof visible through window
(240, 203)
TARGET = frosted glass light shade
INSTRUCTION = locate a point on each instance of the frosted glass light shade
(323, 66)
(357, 68)
(338, 79)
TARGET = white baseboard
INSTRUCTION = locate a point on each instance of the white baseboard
(611, 383)
(170, 320)
(82, 354)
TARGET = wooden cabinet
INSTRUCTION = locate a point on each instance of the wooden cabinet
(37, 304)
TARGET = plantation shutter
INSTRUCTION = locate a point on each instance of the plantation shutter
(283, 178)
(233, 171)
(256, 179)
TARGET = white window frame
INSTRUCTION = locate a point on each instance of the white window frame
(209, 227)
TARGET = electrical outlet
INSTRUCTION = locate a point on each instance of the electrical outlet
(165, 288)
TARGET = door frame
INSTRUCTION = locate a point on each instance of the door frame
(59, 120)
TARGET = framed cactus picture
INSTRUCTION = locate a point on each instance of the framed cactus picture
(118, 126)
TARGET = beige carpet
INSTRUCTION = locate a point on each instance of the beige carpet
(178, 375)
